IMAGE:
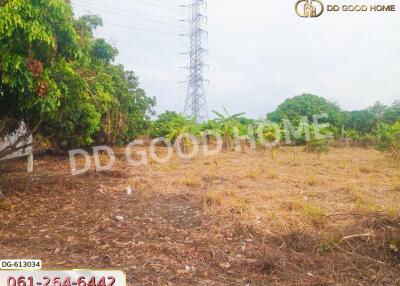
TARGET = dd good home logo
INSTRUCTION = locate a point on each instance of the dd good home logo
(309, 8)
(315, 8)
(361, 8)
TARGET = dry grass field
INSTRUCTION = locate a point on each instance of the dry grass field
(231, 219)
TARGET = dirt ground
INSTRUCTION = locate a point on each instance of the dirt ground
(230, 219)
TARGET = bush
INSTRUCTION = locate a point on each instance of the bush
(166, 123)
(318, 147)
(366, 141)
(389, 139)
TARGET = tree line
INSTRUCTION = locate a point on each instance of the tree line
(376, 126)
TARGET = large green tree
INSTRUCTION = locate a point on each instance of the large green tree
(392, 113)
(38, 46)
(55, 75)
(306, 105)
(362, 121)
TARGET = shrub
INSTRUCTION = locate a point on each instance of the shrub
(165, 123)
(389, 139)
(318, 147)
(366, 141)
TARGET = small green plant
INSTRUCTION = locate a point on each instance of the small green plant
(395, 246)
(313, 211)
(389, 139)
(318, 147)
(328, 242)
(225, 124)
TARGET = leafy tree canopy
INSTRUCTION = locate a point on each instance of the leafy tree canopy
(306, 105)
(166, 123)
(53, 71)
(363, 121)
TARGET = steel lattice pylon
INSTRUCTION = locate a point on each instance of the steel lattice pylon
(196, 104)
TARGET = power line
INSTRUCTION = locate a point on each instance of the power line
(168, 2)
(151, 65)
(143, 29)
(171, 63)
(148, 18)
(146, 49)
(140, 38)
(178, 8)
(129, 15)
(151, 83)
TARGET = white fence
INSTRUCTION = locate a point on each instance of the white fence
(26, 152)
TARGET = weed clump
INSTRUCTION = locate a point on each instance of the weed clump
(272, 176)
(192, 182)
(365, 170)
(396, 189)
(318, 147)
(311, 181)
(253, 174)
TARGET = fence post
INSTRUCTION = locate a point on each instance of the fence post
(30, 163)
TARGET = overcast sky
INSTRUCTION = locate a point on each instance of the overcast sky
(261, 52)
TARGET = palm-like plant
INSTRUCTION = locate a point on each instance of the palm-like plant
(183, 126)
(226, 124)
(267, 133)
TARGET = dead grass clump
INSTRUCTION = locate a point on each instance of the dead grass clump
(212, 199)
(168, 167)
(4, 205)
(269, 260)
(355, 195)
(329, 241)
(104, 158)
(308, 213)
(192, 182)
(394, 212)
(396, 189)
(215, 198)
(382, 243)
(315, 215)
(298, 241)
(238, 206)
(266, 196)
(311, 181)
(226, 205)
(114, 174)
(253, 174)
(366, 170)
(272, 176)
(232, 213)
(342, 164)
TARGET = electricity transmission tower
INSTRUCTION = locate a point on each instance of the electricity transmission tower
(196, 104)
